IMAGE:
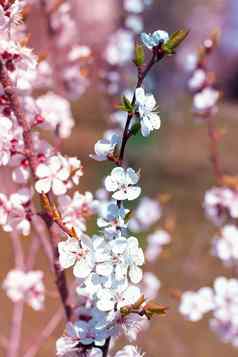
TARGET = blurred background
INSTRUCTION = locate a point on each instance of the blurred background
(174, 161)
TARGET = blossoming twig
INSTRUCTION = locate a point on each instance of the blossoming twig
(22, 120)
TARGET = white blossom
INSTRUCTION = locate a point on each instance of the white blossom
(106, 146)
(77, 253)
(136, 6)
(205, 100)
(226, 246)
(197, 80)
(129, 351)
(195, 304)
(156, 38)
(156, 242)
(145, 215)
(146, 106)
(52, 176)
(122, 182)
(25, 286)
(57, 114)
(108, 299)
(120, 48)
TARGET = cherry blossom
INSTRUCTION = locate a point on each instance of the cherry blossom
(225, 246)
(156, 241)
(77, 253)
(120, 48)
(52, 176)
(146, 106)
(205, 100)
(109, 299)
(220, 202)
(195, 304)
(19, 212)
(57, 114)
(145, 215)
(150, 285)
(129, 351)
(122, 182)
(197, 80)
(136, 6)
(106, 146)
(25, 286)
(6, 135)
(77, 209)
(66, 345)
(155, 39)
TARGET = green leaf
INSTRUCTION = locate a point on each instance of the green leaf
(135, 128)
(139, 55)
(174, 41)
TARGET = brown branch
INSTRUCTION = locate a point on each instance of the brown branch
(214, 150)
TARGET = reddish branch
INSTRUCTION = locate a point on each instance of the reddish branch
(49, 220)
(214, 150)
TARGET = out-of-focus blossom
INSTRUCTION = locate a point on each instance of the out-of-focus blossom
(136, 6)
(195, 304)
(25, 286)
(205, 100)
(76, 210)
(220, 202)
(120, 48)
(156, 242)
(146, 214)
(150, 285)
(56, 113)
(197, 80)
(225, 246)
(6, 135)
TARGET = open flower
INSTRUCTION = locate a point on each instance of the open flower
(154, 39)
(129, 257)
(129, 351)
(146, 106)
(122, 182)
(52, 176)
(105, 146)
(109, 299)
(78, 253)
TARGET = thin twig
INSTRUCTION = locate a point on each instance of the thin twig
(157, 55)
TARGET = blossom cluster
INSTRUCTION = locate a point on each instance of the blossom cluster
(28, 287)
(221, 301)
(201, 83)
(112, 296)
(220, 205)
